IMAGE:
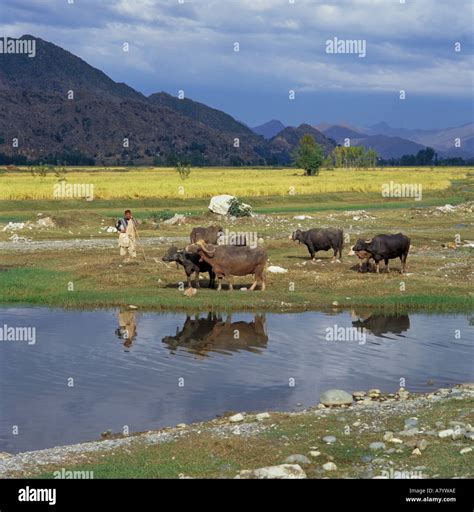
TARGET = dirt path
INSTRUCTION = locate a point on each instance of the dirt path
(83, 244)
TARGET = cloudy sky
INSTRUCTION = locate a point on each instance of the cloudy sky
(190, 45)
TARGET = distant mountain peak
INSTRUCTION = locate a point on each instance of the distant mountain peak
(269, 129)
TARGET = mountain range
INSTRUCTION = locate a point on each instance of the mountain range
(57, 105)
(394, 142)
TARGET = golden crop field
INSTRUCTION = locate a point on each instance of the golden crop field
(165, 183)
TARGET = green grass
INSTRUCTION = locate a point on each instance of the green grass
(438, 280)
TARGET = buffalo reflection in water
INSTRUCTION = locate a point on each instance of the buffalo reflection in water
(380, 325)
(212, 334)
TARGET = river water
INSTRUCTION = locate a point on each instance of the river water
(79, 373)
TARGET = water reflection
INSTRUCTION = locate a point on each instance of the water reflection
(201, 335)
(128, 327)
(380, 325)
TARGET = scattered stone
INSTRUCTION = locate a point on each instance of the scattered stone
(190, 292)
(377, 445)
(469, 435)
(314, 453)
(456, 424)
(458, 433)
(176, 219)
(374, 393)
(5, 455)
(329, 439)
(131, 306)
(409, 432)
(12, 226)
(283, 471)
(416, 451)
(236, 418)
(388, 436)
(273, 269)
(329, 466)
(181, 425)
(334, 397)
(462, 452)
(445, 433)
(262, 416)
(366, 458)
(297, 459)
(411, 423)
(395, 440)
(358, 395)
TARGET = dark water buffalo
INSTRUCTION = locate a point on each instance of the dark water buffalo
(380, 325)
(191, 262)
(320, 240)
(210, 235)
(228, 261)
(386, 247)
(212, 334)
(364, 256)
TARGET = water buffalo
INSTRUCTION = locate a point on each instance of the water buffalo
(364, 256)
(386, 247)
(191, 262)
(320, 240)
(228, 261)
(209, 235)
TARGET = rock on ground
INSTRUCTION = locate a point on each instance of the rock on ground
(297, 459)
(335, 397)
(283, 471)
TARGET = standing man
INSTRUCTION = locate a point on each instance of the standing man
(128, 236)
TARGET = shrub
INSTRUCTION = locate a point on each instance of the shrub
(238, 209)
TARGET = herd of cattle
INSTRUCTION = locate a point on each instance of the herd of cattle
(207, 253)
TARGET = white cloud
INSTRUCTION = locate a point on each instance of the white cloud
(282, 44)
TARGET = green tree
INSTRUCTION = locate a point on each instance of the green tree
(183, 169)
(309, 155)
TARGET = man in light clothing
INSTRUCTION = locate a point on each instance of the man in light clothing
(128, 236)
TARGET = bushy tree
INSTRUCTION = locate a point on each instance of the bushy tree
(309, 155)
(183, 169)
